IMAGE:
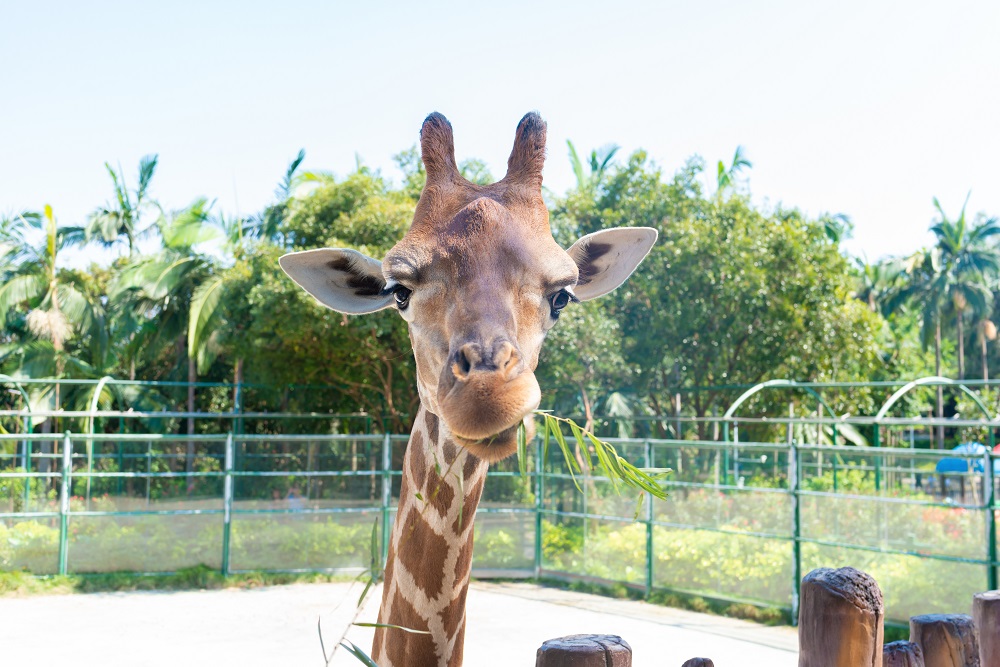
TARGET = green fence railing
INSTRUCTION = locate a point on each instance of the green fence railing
(744, 521)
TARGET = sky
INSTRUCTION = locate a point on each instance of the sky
(868, 108)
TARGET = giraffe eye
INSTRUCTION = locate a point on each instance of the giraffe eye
(560, 300)
(402, 295)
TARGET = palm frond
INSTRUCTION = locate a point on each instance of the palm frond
(203, 311)
(19, 289)
(147, 167)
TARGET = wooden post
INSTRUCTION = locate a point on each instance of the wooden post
(699, 662)
(986, 613)
(840, 619)
(902, 654)
(948, 640)
(585, 651)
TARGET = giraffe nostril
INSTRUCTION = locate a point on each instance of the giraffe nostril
(463, 363)
(466, 358)
(470, 358)
(506, 357)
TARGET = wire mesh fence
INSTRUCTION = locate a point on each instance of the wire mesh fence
(743, 523)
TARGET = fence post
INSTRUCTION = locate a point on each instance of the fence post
(989, 503)
(227, 503)
(584, 651)
(27, 468)
(64, 493)
(386, 493)
(793, 487)
(842, 619)
(539, 489)
(649, 525)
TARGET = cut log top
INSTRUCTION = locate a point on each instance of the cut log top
(854, 586)
(585, 651)
(902, 654)
(699, 662)
(840, 619)
(947, 640)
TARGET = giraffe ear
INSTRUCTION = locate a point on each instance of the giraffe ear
(344, 280)
(608, 257)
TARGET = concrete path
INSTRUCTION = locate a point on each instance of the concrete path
(277, 626)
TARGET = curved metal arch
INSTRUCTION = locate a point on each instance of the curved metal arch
(775, 383)
(94, 398)
(24, 396)
(933, 381)
(92, 419)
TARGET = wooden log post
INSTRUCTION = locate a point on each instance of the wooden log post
(698, 662)
(902, 654)
(947, 640)
(585, 651)
(986, 614)
(840, 619)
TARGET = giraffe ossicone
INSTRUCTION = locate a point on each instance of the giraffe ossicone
(480, 281)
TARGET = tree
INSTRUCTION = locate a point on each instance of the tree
(581, 363)
(54, 306)
(590, 177)
(878, 283)
(986, 332)
(121, 217)
(727, 177)
(970, 264)
(730, 295)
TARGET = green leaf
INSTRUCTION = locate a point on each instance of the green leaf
(394, 627)
(546, 434)
(203, 312)
(362, 657)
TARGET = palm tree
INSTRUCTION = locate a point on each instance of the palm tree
(588, 181)
(266, 225)
(987, 332)
(207, 317)
(837, 226)
(928, 288)
(121, 217)
(159, 290)
(55, 306)
(878, 283)
(727, 178)
(953, 277)
(971, 263)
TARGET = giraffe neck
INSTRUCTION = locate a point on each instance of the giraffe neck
(430, 552)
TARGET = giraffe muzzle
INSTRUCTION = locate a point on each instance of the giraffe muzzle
(484, 394)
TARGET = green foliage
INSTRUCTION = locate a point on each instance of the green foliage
(193, 578)
(733, 293)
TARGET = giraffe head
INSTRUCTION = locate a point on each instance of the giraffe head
(480, 281)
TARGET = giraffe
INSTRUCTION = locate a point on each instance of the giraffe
(479, 280)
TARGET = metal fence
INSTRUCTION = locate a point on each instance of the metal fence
(743, 523)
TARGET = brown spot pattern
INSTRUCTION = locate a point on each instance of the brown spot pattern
(407, 648)
(471, 502)
(418, 459)
(453, 615)
(463, 564)
(439, 493)
(419, 550)
(431, 420)
(471, 464)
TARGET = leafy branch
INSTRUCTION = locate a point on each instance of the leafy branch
(619, 471)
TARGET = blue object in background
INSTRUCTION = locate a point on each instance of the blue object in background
(971, 449)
